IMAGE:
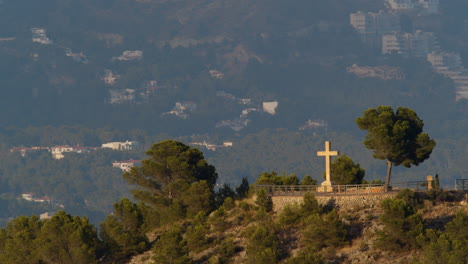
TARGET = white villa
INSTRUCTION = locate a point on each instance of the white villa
(127, 145)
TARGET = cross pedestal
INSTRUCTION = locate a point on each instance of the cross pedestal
(326, 185)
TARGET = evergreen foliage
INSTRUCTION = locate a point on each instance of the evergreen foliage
(263, 200)
(62, 239)
(345, 171)
(223, 193)
(123, 232)
(402, 226)
(308, 181)
(450, 246)
(263, 245)
(175, 179)
(396, 137)
(171, 248)
(243, 189)
(274, 178)
(324, 231)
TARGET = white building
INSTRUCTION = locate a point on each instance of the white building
(122, 96)
(126, 165)
(127, 145)
(109, 77)
(270, 107)
(182, 109)
(129, 55)
(216, 74)
(39, 36)
(57, 151)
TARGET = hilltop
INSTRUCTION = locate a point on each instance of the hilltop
(362, 225)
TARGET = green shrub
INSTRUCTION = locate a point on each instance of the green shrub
(263, 246)
(263, 200)
(402, 226)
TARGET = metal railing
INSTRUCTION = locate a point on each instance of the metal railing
(331, 190)
(461, 184)
(354, 189)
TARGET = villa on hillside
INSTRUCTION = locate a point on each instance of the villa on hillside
(126, 165)
(57, 151)
(127, 145)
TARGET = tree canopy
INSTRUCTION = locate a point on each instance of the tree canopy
(396, 137)
(345, 171)
(173, 172)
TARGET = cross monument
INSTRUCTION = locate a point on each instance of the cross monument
(327, 154)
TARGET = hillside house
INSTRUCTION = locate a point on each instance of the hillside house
(212, 147)
(270, 107)
(216, 74)
(127, 145)
(122, 96)
(182, 109)
(129, 55)
(39, 36)
(126, 165)
(30, 197)
(57, 151)
(77, 57)
(109, 77)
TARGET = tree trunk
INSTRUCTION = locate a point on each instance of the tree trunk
(389, 173)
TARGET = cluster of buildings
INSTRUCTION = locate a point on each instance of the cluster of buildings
(39, 36)
(212, 147)
(126, 165)
(57, 152)
(382, 30)
(129, 96)
(30, 197)
(240, 123)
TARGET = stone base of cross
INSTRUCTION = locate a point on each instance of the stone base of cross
(326, 186)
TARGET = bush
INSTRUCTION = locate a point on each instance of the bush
(402, 226)
(263, 246)
(324, 231)
(290, 215)
(411, 198)
(264, 201)
(171, 248)
(227, 249)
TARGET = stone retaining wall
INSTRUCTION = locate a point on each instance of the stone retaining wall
(349, 202)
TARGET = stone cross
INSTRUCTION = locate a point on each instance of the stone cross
(327, 153)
